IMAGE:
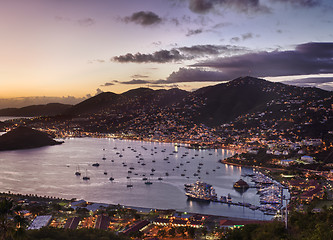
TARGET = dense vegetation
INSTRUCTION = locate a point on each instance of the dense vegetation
(303, 226)
(79, 234)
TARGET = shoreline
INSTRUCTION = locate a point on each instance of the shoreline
(34, 197)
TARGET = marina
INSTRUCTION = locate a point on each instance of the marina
(270, 192)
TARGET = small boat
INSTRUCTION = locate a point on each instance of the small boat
(160, 178)
(105, 172)
(111, 179)
(129, 184)
(95, 164)
(86, 177)
(229, 200)
(148, 182)
(77, 173)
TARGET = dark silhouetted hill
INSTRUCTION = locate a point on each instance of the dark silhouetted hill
(24, 138)
(50, 109)
(140, 98)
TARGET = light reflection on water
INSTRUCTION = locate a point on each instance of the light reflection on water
(50, 171)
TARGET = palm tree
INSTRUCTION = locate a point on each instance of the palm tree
(11, 224)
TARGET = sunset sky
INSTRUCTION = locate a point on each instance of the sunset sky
(80, 47)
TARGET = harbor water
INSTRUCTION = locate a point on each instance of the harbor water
(50, 171)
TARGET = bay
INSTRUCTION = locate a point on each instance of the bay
(49, 171)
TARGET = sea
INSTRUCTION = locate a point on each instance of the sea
(50, 171)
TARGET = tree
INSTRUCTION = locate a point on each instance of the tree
(11, 224)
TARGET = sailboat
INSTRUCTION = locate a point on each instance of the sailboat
(86, 176)
(129, 184)
(77, 173)
(148, 182)
(111, 178)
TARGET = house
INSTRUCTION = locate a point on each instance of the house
(102, 222)
(40, 221)
(136, 227)
(72, 223)
(286, 162)
(308, 196)
(307, 159)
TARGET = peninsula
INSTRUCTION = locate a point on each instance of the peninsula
(24, 138)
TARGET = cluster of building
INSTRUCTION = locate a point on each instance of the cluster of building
(132, 222)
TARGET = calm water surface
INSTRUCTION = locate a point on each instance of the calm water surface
(50, 171)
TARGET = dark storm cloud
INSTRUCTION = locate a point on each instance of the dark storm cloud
(178, 54)
(309, 58)
(143, 18)
(162, 56)
(204, 6)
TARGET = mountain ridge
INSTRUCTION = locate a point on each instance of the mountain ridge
(212, 105)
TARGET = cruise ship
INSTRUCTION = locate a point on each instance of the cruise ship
(200, 191)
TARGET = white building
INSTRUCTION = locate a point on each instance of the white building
(40, 221)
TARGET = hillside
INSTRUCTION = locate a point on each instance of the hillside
(245, 103)
(23, 138)
(50, 109)
(127, 102)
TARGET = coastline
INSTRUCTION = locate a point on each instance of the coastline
(35, 197)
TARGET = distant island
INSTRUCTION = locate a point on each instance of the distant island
(25, 138)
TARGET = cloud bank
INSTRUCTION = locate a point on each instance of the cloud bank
(308, 58)
(178, 54)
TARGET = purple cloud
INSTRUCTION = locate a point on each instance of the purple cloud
(308, 58)
(178, 54)
(144, 18)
